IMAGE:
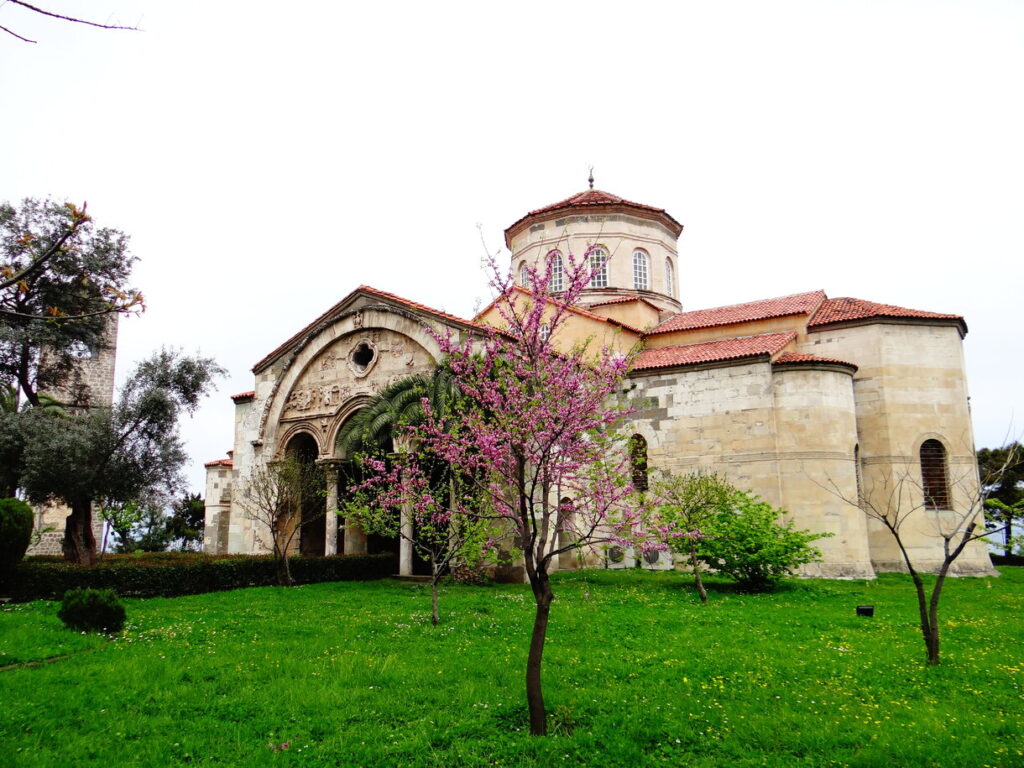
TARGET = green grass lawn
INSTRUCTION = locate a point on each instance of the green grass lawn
(636, 673)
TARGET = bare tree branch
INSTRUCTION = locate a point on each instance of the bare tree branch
(15, 34)
(53, 15)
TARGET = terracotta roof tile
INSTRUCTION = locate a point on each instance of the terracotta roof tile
(844, 309)
(798, 358)
(619, 300)
(592, 197)
(783, 306)
(244, 396)
(220, 463)
(337, 307)
(595, 198)
(577, 310)
(713, 351)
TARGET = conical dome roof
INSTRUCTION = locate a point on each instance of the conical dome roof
(593, 201)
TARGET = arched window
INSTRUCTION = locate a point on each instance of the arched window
(638, 461)
(641, 272)
(524, 274)
(544, 331)
(933, 475)
(598, 266)
(557, 282)
(670, 278)
(856, 470)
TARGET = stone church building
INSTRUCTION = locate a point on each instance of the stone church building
(792, 397)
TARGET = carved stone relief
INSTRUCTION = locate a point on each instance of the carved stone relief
(361, 363)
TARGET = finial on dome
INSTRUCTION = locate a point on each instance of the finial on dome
(591, 179)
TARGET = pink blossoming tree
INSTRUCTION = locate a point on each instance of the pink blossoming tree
(533, 439)
(415, 497)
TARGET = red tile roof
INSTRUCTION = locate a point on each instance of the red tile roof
(619, 300)
(220, 463)
(626, 300)
(575, 309)
(336, 309)
(846, 309)
(797, 358)
(783, 306)
(244, 396)
(594, 198)
(713, 351)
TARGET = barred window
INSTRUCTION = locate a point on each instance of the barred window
(524, 274)
(557, 283)
(641, 277)
(856, 469)
(598, 267)
(670, 278)
(638, 461)
(933, 475)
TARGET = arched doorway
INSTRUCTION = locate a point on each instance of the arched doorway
(313, 533)
(351, 474)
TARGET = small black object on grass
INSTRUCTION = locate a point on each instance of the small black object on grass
(865, 610)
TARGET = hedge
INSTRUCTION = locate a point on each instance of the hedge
(172, 574)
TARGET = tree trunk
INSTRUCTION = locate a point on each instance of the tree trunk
(697, 580)
(932, 636)
(929, 628)
(287, 570)
(79, 543)
(435, 617)
(534, 693)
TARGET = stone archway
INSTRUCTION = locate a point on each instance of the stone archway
(313, 534)
(351, 538)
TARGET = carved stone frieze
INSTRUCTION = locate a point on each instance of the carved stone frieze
(359, 363)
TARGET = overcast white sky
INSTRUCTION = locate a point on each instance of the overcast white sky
(267, 158)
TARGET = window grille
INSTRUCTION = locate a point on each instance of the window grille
(638, 461)
(641, 278)
(934, 481)
(557, 283)
(598, 267)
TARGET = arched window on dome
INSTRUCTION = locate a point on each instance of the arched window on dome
(524, 274)
(934, 481)
(670, 278)
(598, 256)
(557, 282)
(641, 270)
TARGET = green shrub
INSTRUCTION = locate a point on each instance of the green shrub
(92, 610)
(748, 544)
(15, 532)
(168, 574)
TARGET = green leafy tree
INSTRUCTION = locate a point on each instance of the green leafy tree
(748, 542)
(1002, 475)
(691, 504)
(15, 532)
(60, 276)
(119, 518)
(114, 454)
(186, 522)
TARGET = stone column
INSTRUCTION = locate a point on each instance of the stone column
(405, 542)
(331, 527)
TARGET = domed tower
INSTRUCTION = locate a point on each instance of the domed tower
(632, 247)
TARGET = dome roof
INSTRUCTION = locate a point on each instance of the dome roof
(594, 201)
